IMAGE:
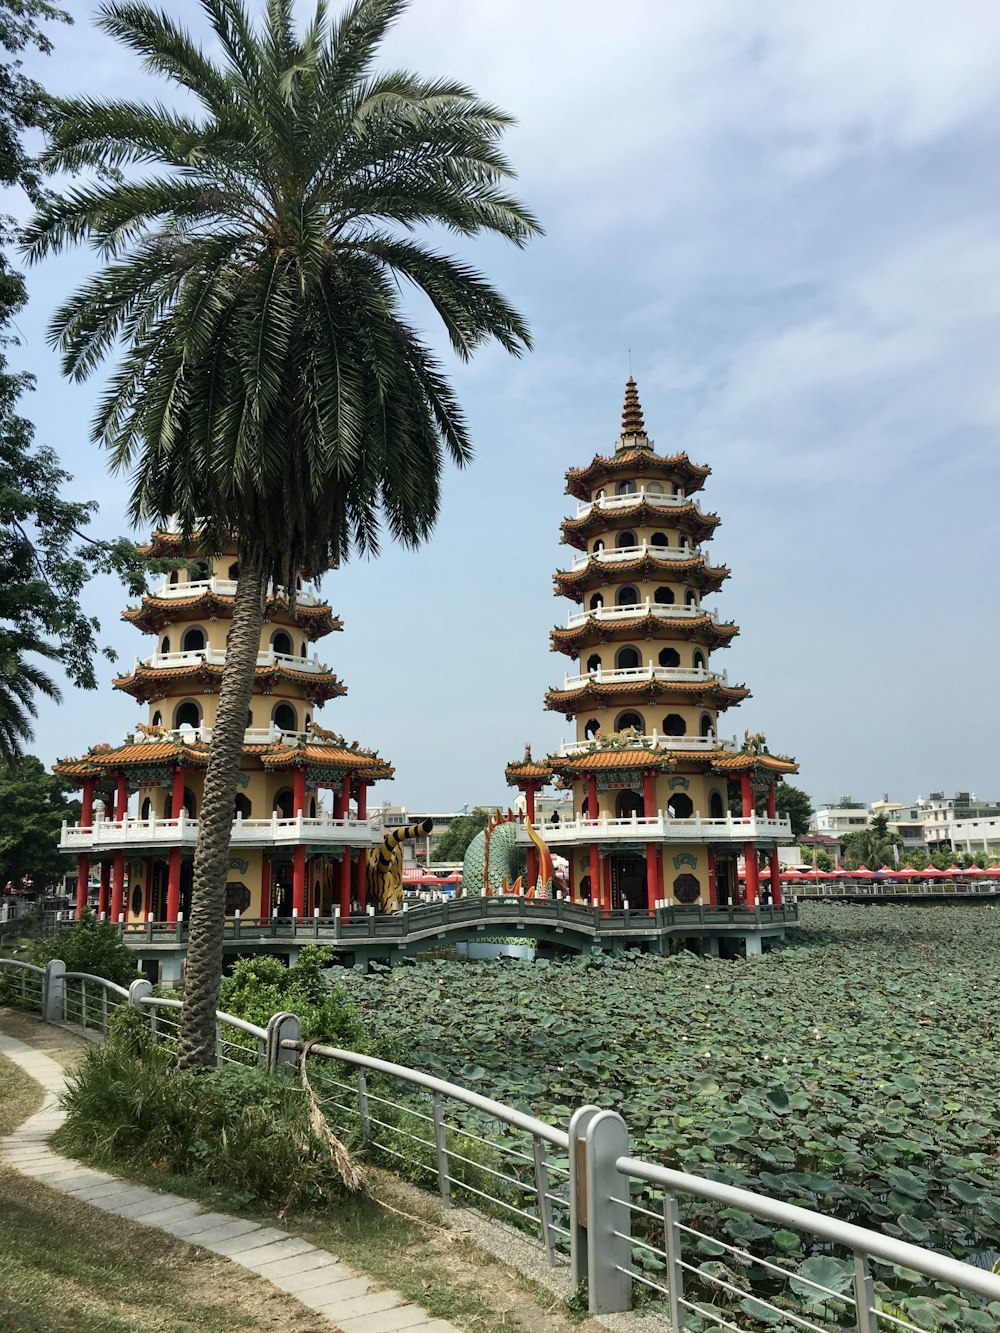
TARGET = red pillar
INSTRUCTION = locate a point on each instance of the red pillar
(104, 896)
(345, 797)
(361, 878)
(121, 797)
(652, 885)
(595, 876)
(174, 884)
(117, 885)
(606, 888)
(82, 880)
(87, 805)
(570, 879)
(752, 881)
(772, 805)
(775, 879)
(345, 883)
(362, 800)
(265, 885)
(299, 792)
(648, 794)
(592, 796)
(746, 795)
(177, 793)
(299, 852)
(711, 878)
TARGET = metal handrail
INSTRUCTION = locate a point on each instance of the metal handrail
(849, 1234)
(99, 981)
(497, 1110)
(27, 967)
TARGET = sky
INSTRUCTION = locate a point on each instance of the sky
(784, 217)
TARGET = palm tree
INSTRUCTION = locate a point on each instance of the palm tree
(20, 682)
(272, 386)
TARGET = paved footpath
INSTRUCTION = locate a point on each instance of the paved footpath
(314, 1277)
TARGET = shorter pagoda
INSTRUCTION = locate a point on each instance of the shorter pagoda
(650, 775)
(287, 855)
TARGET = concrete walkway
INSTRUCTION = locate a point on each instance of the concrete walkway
(314, 1277)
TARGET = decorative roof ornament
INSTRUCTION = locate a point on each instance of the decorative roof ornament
(633, 426)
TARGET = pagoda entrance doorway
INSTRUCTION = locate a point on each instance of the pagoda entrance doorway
(628, 881)
(725, 880)
(158, 876)
(187, 884)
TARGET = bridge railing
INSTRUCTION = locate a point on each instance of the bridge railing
(623, 1222)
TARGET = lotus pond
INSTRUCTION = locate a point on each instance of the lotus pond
(854, 1071)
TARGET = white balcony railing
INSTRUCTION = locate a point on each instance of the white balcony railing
(110, 835)
(223, 588)
(612, 555)
(662, 828)
(217, 657)
(658, 741)
(668, 610)
(653, 498)
(624, 675)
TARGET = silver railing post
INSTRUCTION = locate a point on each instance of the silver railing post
(578, 1209)
(865, 1316)
(282, 1027)
(54, 991)
(544, 1203)
(675, 1271)
(609, 1244)
(441, 1151)
(366, 1128)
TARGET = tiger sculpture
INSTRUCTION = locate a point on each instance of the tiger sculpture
(385, 866)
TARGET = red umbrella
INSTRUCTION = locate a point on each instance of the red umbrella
(993, 869)
(953, 869)
(976, 870)
(789, 871)
(931, 873)
(862, 872)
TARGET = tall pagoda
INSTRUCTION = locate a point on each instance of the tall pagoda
(287, 854)
(649, 773)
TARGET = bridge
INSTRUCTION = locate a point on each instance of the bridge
(575, 927)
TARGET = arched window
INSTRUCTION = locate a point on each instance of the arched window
(157, 719)
(187, 714)
(285, 718)
(600, 495)
(630, 719)
(674, 725)
(596, 602)
(698, 660)
(284, 803)
(665, 596)
(302, 649)
(193, 640)
(626, 659)
(592, 729)
(234, 572)
(201, 573)
(707, 725)
(308, 720)
(678, 491)
(690, 598)
(660, 539)
(241, 806)
(627, 596)
(680, 805)
(165, 644)
(669, 657)
(146, 809)
(190, 804)
(624, 540)
(172, 580)
(627, 804)
(598, 546)
(593, 662)
(716, 806)
(682, 541)
(625, 488)
(281, 642)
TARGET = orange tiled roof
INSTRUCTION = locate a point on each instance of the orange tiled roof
(570, 640)
(743, 762)
(631, 464)
(156, 612)
(272, 755)
(574, 582)
(146, 683)
(320, 755)
(527, 770)
(594, 760)
(713, 694)
(577, 531)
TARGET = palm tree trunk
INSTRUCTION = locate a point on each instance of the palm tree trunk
(203, 973)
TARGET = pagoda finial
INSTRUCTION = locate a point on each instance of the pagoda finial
(632, 422)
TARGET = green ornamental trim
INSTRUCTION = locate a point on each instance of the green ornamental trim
(676, 783)
(619, 777)
(151, 775)
(237, 863)
(622, 848)
(685, 859)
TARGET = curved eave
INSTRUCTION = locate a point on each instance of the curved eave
(711, 694)
(627, 464)
(105, 761)
(686, 518)
(528, 772)
(147, 683)
(594, 761)
(575, 583)
(155, 613)
(591, 632)
(272, 755)
(741, 762)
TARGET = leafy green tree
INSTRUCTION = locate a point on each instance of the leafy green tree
(794, 804)
(91, 946)
(823, 859)
(871, 846)
(272, 386)
(33, 805)
(459, 833)
(262, 986)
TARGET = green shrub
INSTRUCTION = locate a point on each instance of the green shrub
(91, 946)
(235, 1128)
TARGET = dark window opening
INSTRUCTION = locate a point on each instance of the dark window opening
(285, 718)
(674, 725)
(627, 596)
(627, 659)
(624, 540)
(188, 714)
(627, 804)
(687, 889)
(282, 643)
(664, 596)
(193, 640)
(680, 805)
(630, 719)
(241, 806)
(660, 539)
(707, 726)
(669, 657)
(593, 662)
(596, 602)
(716, 806)
(592, 729)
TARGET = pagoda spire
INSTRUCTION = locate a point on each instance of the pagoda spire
(633, 425)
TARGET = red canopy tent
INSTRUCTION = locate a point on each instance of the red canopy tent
(978, 871)
(862, 872)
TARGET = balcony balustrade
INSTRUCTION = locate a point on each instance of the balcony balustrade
(133, 834)
(662, 828)
(668, 610)
(217, 657)
(612, 555)
(659, 742)
(625, 675)
(654, 498)
(168, 591)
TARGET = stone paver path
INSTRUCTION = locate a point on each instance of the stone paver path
(314, 1277)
